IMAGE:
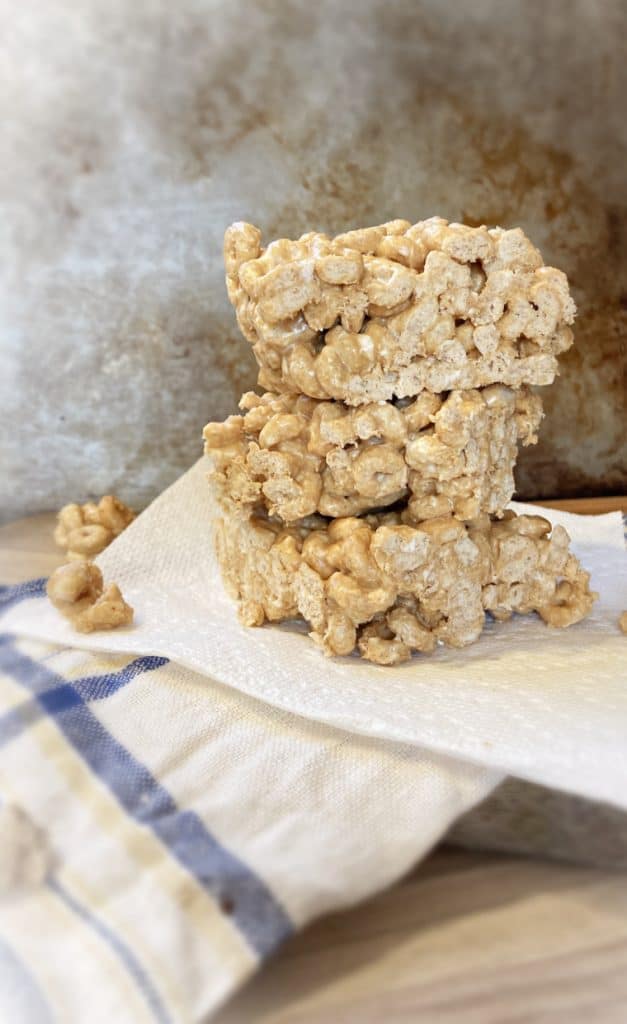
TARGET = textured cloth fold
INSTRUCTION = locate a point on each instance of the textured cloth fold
(191, 830)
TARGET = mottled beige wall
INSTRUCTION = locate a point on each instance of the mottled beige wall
(134, 133)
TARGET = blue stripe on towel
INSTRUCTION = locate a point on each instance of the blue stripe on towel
(254, 909)
(21, 592)
(96, 687)
(16, 721)
(99, 687)
(122, 951)
(91, 688)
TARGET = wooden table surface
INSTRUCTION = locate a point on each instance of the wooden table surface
(467, 938)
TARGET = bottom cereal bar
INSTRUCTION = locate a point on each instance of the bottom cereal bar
(389, 587)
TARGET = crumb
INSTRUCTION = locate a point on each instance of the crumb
(77, 591)
(86, 530)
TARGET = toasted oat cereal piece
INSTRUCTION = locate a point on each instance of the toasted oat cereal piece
(390, 587)
(393, 310)
(449, 454)
(77, 590)
(622, 622)
(86, 530)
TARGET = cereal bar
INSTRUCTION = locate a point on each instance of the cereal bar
(388, 587)
(389, 311)
(450, 453)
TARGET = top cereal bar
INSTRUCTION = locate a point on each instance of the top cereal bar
(387, 312)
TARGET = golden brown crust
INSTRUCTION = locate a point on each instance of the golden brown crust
(393, 310)
(449, 454)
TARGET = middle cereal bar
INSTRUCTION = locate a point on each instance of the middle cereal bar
(452, 453)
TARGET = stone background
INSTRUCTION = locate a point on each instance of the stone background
(133, 133)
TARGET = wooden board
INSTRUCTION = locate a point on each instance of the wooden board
(588, 506)
(467, 938)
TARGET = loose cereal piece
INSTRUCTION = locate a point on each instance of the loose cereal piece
(622, 622)
(390, 587)
(393, 310)
(86, 530)
(77, 590)
(448, 454)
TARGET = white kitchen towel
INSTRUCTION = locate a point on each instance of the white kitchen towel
(178, 831)
(199, 790)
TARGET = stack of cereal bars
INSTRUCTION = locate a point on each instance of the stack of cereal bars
(365, 489)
